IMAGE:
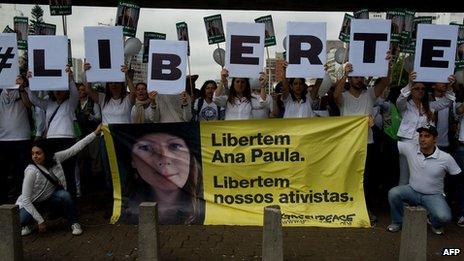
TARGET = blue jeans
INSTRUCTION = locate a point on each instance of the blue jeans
(435, 204)
(59, 198)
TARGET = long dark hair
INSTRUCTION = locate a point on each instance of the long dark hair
(233, 92)
(44, 145)
(203, 87)
(425, 101)
(303, 93)
(108, 94)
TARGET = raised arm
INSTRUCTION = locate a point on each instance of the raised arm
(185, 106)
(338, 93)
(285, 84)
(130, 83)
(154, 114)
(74, 149)
(220, 89)
(385, 81)
(73, 92)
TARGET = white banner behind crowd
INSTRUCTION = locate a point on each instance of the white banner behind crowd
(167, 66)
(9, 68)
(435, 52)
(306, 53)
(104, 50)
(48, 57)
(369, 43)
(244, 49)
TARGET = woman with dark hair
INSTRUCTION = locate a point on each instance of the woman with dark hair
(45, 183)
(416, 111)
(297, 99)
(204, 109)
(238, 102)
(168, 171)
(15, 135)
(59, 123)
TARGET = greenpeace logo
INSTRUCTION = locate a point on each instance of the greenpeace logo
(451, 252)
(303, 219)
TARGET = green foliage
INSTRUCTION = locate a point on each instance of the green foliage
(399, 72)
(36, 19)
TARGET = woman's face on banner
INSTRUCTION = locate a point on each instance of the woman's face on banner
(162, 160)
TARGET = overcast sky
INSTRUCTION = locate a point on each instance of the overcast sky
(164, 20)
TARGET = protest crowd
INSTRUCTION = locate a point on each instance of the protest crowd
(53, 152)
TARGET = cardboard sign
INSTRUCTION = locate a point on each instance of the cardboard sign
(21, 27)
(306, 49)
(48, 57)
(369, 43)
(147, 36)
(344, 35)
(105, 52)
(269, 33)
(397, 24)
(245, 49)
(60, 7)
(435, 52)
(214, 29)
(182, 34)
(45, 29)
(127, 16)
(167, 66)
(9, 67)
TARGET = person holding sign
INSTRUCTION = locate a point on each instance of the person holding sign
(297, 97)
(261, 109)
(238, 103)
(416, 110)
(15, 135)
(116, 107)
(45, 185)
(360, 100)
(59, 126)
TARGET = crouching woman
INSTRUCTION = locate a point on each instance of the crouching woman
(45, 185)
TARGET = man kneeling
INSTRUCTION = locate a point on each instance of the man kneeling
(428, 166)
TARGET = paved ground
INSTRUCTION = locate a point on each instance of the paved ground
(101, 241)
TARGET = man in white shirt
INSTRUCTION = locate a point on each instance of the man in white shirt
(428, 166)
(359, 100)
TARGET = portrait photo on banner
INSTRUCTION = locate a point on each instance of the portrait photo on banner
(160, 163)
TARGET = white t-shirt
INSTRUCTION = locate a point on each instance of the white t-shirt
(14, 123)
(261, 109)
(427, 174)
(115, 111)
(298, 109)
(362, 105)
(207, 112)
(240, 110)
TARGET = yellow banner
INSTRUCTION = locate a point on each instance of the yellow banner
(313, 168)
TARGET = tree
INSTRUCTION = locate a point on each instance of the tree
(36, 19)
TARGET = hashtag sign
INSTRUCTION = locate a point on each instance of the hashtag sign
(4, 58)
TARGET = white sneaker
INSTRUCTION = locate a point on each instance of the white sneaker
(438, 230)
(76, 229)
(26, 230)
